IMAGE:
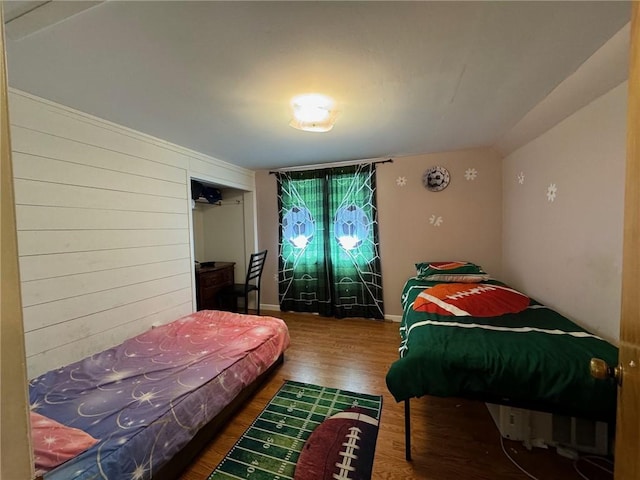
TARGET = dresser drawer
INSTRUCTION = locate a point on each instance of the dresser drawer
(217, 278)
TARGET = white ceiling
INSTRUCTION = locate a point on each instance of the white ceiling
(217, 77)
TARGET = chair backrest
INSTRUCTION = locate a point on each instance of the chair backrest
(256, 264)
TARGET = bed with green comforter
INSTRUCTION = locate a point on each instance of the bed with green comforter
(487, 341)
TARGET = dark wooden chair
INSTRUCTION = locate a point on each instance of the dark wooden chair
(231, 293)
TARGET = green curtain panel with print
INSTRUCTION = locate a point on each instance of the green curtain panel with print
(329, 259)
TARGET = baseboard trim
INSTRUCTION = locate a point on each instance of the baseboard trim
(271, 308)
(276, 308)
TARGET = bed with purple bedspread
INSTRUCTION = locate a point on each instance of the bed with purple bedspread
(144, 399)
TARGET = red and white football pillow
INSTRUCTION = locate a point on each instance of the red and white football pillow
(340, 448)
(469, 299)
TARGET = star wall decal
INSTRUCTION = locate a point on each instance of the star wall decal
(470, 174)
(436, 221)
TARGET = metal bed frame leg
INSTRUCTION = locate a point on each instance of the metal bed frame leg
(407, 430)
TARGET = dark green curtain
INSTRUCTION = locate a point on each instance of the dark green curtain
(329, 259)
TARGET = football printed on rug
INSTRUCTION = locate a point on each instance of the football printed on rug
(340, 448)
(470, 299)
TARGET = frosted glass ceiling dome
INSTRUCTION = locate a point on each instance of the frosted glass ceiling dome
(313, 112)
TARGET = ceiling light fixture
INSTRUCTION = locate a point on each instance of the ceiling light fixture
(313, 112)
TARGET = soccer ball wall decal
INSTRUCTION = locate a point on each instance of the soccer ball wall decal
(298, 226)
(436, 179)
(351, 226)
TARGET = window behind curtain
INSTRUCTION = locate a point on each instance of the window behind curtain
(329, 253)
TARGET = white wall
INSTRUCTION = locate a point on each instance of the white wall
(224, 232)
(567, 253)
(219, 231)
(104, 238)
(197, 214)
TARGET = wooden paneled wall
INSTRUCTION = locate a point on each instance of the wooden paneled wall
(104, 238)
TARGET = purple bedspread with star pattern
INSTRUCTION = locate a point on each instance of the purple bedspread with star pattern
(147, 397)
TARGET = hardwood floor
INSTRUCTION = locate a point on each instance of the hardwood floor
(451, 438)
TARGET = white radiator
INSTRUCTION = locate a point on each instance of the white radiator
(537, 429)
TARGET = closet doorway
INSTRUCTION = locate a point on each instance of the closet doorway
(223, 227)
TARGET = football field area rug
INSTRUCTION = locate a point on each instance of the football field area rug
(307, 432)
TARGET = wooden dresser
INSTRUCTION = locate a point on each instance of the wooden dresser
(211, 277)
